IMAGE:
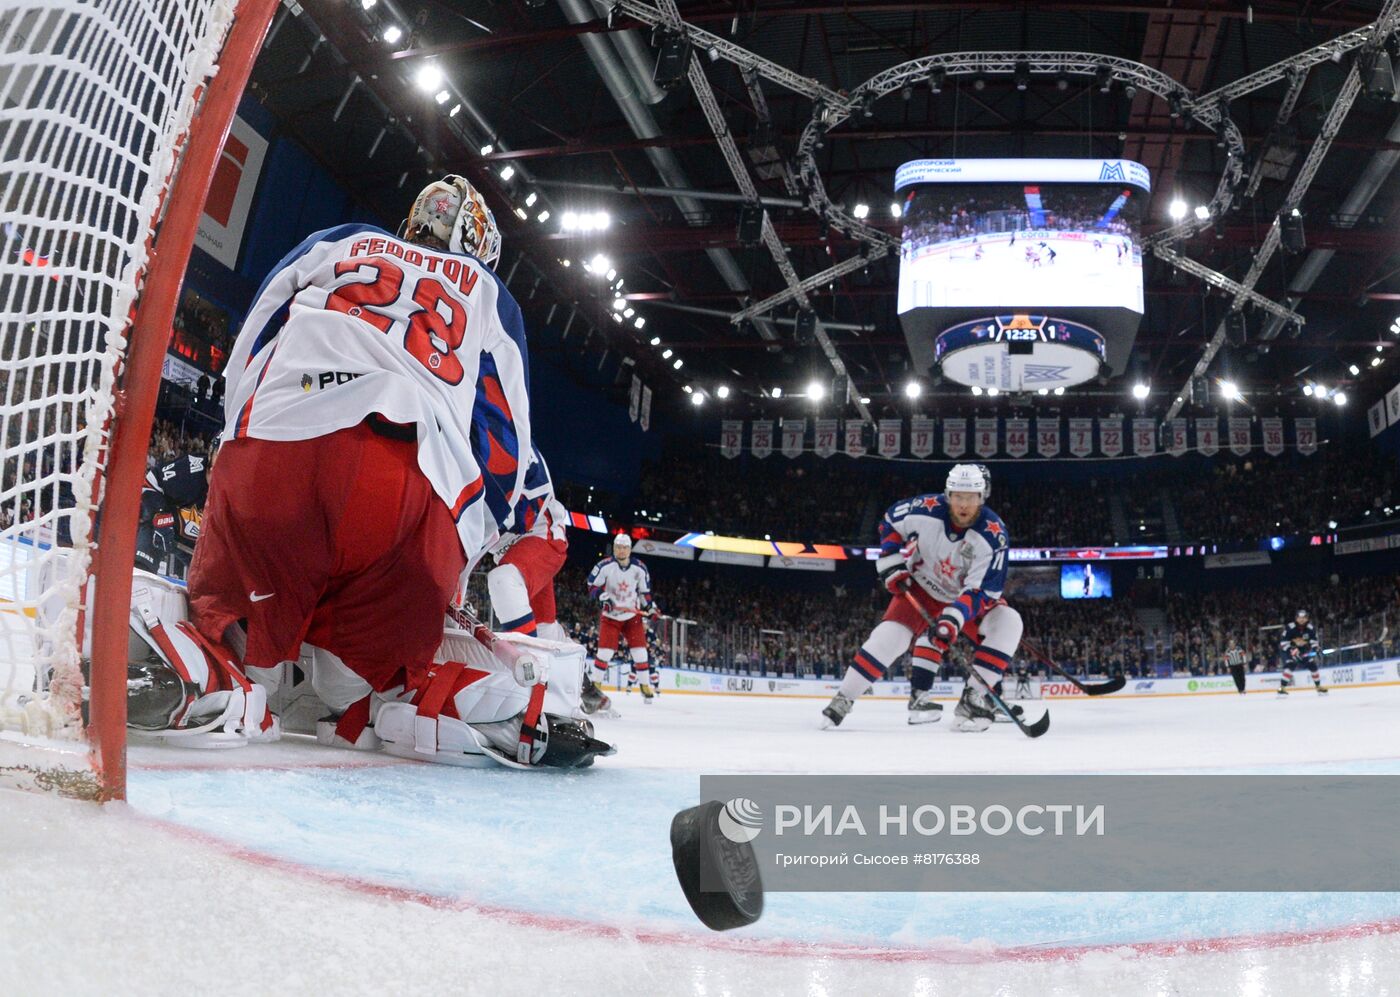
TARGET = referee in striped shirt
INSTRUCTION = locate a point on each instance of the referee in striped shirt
(1234, 658)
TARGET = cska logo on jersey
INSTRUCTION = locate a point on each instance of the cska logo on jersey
(947, 568)
(623, 588)
(930, 502)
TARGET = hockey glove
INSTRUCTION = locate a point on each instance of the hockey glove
(942, 637)
(607, 605)
(897, 570)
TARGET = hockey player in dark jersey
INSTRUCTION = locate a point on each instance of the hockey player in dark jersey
(1298, 647)
(179, 484)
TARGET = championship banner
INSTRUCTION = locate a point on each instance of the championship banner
(1392, 404)
(1273, 435)
(1047, 436)
(1144, 437)
(1239, 435)
(826, 430)
(889, 443)
(1208, 435)
(1376, 417)
(1018, 437)
(1081, 437)
(1306, 430)
(855, 438)
(1111, 437)
(645, 418)
(762, 443)
(1176, 437)
(921, 436)
(634, 398)
(984, 443)
(954, 437)
(731, 437)
(794, 436)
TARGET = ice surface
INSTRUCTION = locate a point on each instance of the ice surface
(292, 866)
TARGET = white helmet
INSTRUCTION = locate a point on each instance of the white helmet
(452, 211)
(622, 545)
(969, 478)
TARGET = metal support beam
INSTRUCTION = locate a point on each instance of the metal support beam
(1219, 281)
(809, 284)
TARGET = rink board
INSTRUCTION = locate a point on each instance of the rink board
(1384, 672)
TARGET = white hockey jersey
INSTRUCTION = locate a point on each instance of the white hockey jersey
(629, 588)
(964, 568)
(538, 513)
(353, 322)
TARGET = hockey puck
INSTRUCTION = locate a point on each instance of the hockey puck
(732, 893)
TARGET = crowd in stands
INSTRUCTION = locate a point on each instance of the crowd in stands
(935, 215)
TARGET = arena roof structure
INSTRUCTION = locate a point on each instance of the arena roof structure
(1243, 111)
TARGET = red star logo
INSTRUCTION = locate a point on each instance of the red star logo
(930, 502)
(995, 528)
(441, 205)
(947, 568)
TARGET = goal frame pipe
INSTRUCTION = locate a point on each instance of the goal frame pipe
(134, 411)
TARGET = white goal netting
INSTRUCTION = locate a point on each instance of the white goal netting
(95, 101)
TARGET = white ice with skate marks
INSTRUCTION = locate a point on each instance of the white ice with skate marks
(302, 850)
(1048, 269)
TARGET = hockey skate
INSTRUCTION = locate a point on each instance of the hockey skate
(974, 710)
(922, 708)
(594, 701)
(1002, 718)
(648, 694)
(835, 711)
(1322, 690)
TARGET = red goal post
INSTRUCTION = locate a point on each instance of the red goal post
(113, 115)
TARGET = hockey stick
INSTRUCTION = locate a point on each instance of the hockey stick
(1030, 730)
(1102, 689)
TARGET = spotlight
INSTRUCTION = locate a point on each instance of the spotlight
(672, 62)
(861, 210)
(640, 322)
(666, 354)
(816, 391)
(487, 149)
(896, 211)
(867, 104)
(392, 33)
(429, 78)
(935, 79)
(1042, 391)
(655, 340)
(1340, 398)
(1060, 390)
(977, 389)
(1354, 370)
(1129, 91)
(1022, 75)
(979, 84)
(507, 172)
(368, 4)
(530, 199)
(1177, 210)
(722, 391)
(542, 217)
(913, 389)
(1103, 79)
(1308, 390)
(1376, 361)
(993, 392)
(456, 110)
(865, 399)
(1230, 391)
(1175, 105)
(697, 399)
(777, 392)
(1140, 391)
(600, 264)
(628, 313)
(677, 364)
(1061, 82)
(1203, 212)
(442, 96)
(619, 304)
(1291, 237)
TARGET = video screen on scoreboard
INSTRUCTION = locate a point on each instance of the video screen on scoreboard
(1044, 236)
(1085, 581)
(1032, 583)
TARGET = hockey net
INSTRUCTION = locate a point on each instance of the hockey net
(101, 103)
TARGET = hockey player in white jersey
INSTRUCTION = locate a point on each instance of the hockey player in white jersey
(376, 445)
(949, 552)
(622, 585)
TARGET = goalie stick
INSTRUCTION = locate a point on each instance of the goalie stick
(1100, 689)
(1030, 730)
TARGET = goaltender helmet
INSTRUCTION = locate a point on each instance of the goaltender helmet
(969, 478)
(454, 214)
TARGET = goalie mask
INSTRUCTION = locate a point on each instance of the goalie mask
(453, 214)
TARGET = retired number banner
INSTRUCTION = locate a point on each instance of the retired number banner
(890, 432)
(1018, 437)
(1144, 437)
(762, 438)
(985, 443)
(954, 437)
(794, 437)
(825, 444)
(731, 437)
(1208, 435)
(1111, 437)
(855, 438)
(1047, 436)
(1081, 437)
(1273, 435)
(921, 436)
(1176, 437)
(1239, 436)
(1307, 435)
